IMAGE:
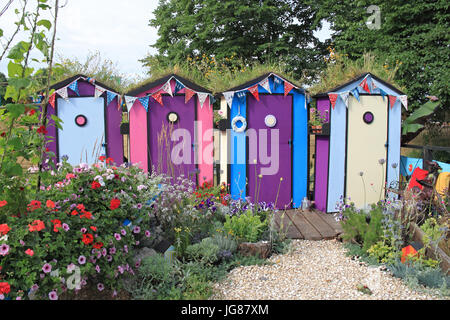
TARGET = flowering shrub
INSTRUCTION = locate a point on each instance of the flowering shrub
(83, 225)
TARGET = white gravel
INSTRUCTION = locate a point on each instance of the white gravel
(314, 270)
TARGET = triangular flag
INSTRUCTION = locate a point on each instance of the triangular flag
(229, 97)
(178, 86)
(110, 97)
(63, 93)
(364, 85)
(144, 101)
(333, 98)
(90, 80)
(157, 96)
(287, 88)
(254, 91)
(119, 102)
(374, 85)
(392, 100)
(98, 91)
(241, 95)
(188, 93)
(74, 87)
(51, 100)
(202, 98)
(355, 93)
(211, 99)
(276, 82)
(344, 97)
(129, 101)
(167, 88)
(265, 84)
(383, 93)
(404, 101)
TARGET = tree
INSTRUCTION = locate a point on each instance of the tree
(412, 35)
(252, 30)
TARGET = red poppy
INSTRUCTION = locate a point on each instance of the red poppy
(3, 203)
(87, 238)
(102, 158)
(42, 130)
(50, 204)
(95, 185)
(56, 225)
(93, 228)
(81, 207)
(114, 204)
(4, 229)
(34, 204)
(98, 245)
(74, 213)
(29, 252)
(86, 214)
(32, 112)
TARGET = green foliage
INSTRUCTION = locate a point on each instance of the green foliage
(245, 227)
(384, 253)
(412, 35)
(205, 251)
(256, 31)
(356, 227)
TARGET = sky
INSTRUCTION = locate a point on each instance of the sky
(118, 30)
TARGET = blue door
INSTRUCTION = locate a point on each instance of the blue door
(83, 136)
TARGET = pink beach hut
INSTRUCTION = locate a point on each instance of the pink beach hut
(171, 128)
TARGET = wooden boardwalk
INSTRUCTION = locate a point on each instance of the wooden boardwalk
(308, 225)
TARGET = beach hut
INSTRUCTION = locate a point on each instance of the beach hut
(171, 128)
(91, 120)
(266, 146)
(358, 153)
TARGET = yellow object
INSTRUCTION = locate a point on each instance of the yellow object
(442, 184)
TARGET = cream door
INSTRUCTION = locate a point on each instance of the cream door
(366, 148)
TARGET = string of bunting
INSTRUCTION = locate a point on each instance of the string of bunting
(98, 91)
(369, 86)
(253, 89)
(167, 88)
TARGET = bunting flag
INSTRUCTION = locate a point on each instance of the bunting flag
(276, 82)
(211, 99)
(365, 85)
(188, 93)
(229, 97)
(90, 80)
(254, 91)
(167, 88)
(383, 93)
(333, 98)
(63, 93)
(241, 97)
(178, 86)
(404, 101)
(265, 84)
(392, 100)
(157, 96)
(344, 97)
(355, 93)
(202, 98)
(98, 91)
(287, 88)
(74, 87)
(130, 102)
(374, 85)
(110, 97)
(51, 100)
(119, 102)
(144, 102)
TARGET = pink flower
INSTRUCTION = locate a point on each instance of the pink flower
(29, 252)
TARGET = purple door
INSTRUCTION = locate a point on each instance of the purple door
(269, 130)
(171, 137)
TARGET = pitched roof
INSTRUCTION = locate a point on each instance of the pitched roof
(256, 80)
(68, 81)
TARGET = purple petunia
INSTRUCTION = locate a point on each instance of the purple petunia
(120, 268)
(47, 268)
(34, 287)
(81, 259)
(123, 232)
(125, 248)
(97, 268)
(53, 295)
(137, 229)
(147, 233)
(65, 226)
(112, 250)
(139, 206)
(4, 249)
(100, 287)
(83, 230)
(109, 258)
(117, 236)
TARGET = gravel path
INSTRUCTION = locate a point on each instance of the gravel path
(313, 270)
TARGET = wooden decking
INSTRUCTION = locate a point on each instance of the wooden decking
(308, 225)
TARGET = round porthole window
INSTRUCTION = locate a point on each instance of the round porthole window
(368, 117)
(270, 120)
(172, 117)
(80, 120)
(239, 124)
